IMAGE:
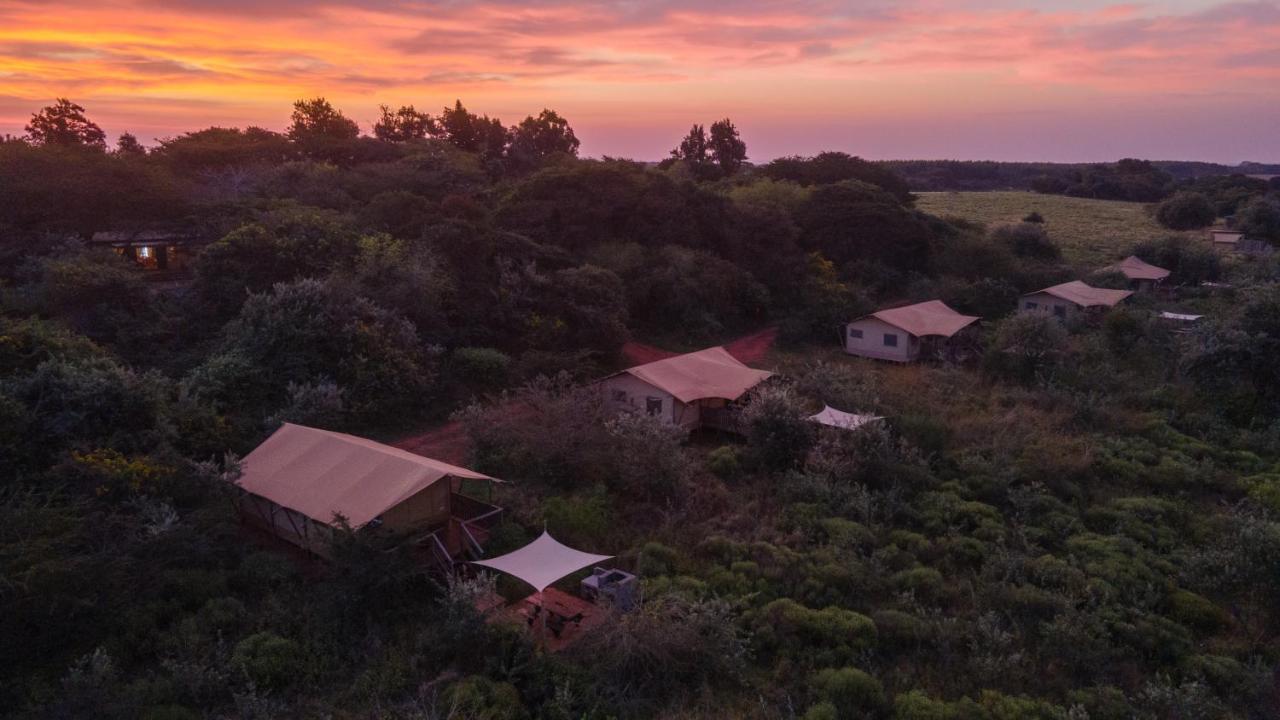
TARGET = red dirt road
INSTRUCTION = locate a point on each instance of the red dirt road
(748, 348)
(449, 442)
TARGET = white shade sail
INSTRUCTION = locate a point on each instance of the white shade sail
(542, 562)
(840, 419)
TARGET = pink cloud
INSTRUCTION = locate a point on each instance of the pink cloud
(169, 65)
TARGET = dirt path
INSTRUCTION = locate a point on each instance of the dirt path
(752, 348)
(449, 442)
(748, 348)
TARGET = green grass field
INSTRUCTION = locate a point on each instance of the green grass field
(1090, 232)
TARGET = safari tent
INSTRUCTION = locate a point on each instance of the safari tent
(1142, 275)
(691, 390)
(302, 483)
(1069, 299)
(901, 334)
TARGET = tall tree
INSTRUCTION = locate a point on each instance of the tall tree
(317, 118)
(536, 139)
(727, 149)
(128, 145)
(474, 133)
(404, 124)
(694, 147)
(64, 123)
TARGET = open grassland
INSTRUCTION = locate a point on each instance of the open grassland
(1090, 232)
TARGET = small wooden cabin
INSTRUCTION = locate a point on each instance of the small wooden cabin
(1070, 299)
(301, 483)
(903, 334)
(1222, 237)
(1142, 275)
(693, 390)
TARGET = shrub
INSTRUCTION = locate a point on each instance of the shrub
(916, 705)
(268, 659)
(822, 711)
(1195, 611)
(1026, 347)
(656, 559)
(1027, 240)
(724, 462)
(1185, 211)
(925, 582)
(779, 433)
(824, 637)
(850, 690)
(480, 698)
(481, 369)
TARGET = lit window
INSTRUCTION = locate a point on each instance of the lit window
(890, 340)
(144, 251)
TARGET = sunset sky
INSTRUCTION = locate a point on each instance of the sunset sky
(967, 79)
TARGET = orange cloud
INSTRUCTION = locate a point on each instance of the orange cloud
(630, 73)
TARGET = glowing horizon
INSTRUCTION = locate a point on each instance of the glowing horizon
(1002, 80)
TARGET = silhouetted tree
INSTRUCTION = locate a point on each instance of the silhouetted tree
(404, 124)
(64, 123)
(471, 132)
(128, 145)
(536, 139)
(727, 149)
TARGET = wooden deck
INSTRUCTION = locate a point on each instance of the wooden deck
(550, 626)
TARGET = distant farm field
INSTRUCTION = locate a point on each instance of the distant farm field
(1090, 232)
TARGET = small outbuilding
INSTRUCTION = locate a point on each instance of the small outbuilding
(301, 483)
(1142, 275)
(151, 249)
(1222, 237)
(692, 390)
(902, 334)
(1069, 299)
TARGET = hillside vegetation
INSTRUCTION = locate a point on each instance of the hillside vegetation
(1061, 520)
(1090, 232)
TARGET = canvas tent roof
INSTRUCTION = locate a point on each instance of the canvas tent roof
(1135, 268)
(542, 562)
(710, 373)
(927, 318)
(1085, 295)
(319, 473)
(840, 419)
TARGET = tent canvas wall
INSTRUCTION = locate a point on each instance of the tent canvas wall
(1069, 299)
(1142, 275)
(897, 333)
(301, 480)
(682, 390)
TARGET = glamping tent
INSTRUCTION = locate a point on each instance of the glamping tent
(1141, 275)
(1070, 298)
(301, 481)
(899, 333)
(691, 390)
